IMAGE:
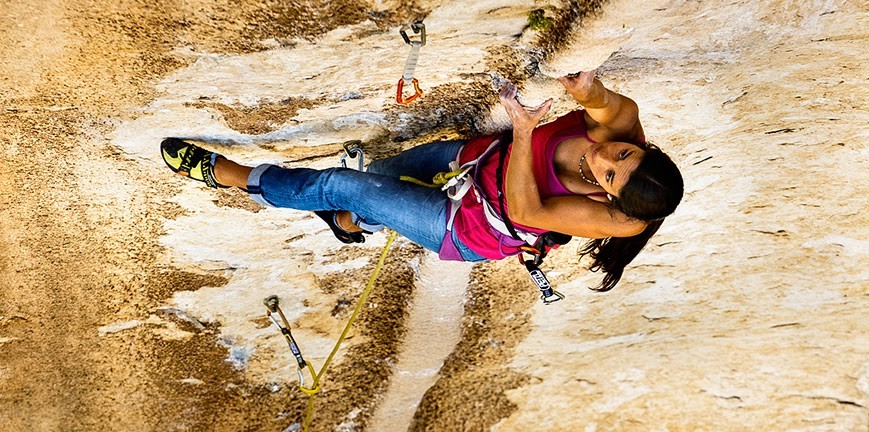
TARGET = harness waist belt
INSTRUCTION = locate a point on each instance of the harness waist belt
(464, 183)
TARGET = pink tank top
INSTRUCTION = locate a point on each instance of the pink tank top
(471, 226)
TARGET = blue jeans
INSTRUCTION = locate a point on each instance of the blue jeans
(377, 197)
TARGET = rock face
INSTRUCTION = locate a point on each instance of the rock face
(743, 312)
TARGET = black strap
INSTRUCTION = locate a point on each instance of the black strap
(506, 139)
(191, 157)
(545, 240)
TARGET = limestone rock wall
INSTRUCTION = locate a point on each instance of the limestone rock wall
(747, 310)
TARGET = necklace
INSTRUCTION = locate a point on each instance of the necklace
(581, 162)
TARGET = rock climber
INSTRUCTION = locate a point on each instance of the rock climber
(589, 173)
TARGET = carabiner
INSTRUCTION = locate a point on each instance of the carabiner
(352, 149)
(419, 28)
(534, 252)
(271, 303)
(399, 96)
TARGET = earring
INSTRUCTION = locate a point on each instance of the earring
(609, 197)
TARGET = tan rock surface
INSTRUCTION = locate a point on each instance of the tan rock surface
(747, 311)
(130, 299)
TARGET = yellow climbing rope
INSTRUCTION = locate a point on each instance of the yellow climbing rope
(440, 179)
(315, 386)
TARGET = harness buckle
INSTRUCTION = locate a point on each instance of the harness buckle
(353, 148)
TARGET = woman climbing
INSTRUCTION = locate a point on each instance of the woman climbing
(589, 173)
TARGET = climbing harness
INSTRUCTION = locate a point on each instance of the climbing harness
(272, 306)
(462, 179)
(410, 65)
(353, 149)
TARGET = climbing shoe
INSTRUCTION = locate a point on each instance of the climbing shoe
(331, 219)
(190, 161)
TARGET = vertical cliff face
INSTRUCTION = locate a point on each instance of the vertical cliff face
(744, 313)
(137, 294)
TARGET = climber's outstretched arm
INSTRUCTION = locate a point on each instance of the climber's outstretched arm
(618, 115)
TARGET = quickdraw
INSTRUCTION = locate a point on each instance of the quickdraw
(409, 66)
(272, 308)
(548, 294)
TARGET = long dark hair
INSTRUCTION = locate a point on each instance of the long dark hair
(652, 193)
